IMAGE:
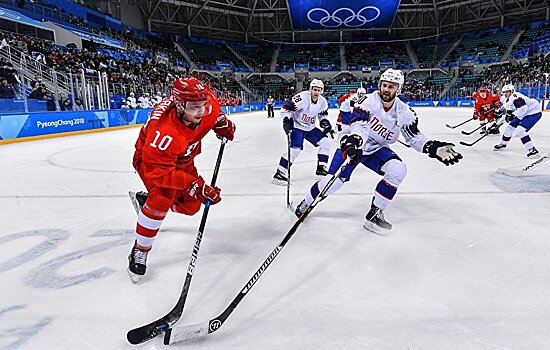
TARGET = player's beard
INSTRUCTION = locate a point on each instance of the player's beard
(387, 96)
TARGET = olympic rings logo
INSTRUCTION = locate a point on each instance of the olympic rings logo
(335, 20)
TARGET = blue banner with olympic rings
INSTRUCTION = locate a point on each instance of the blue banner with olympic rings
(330, 14)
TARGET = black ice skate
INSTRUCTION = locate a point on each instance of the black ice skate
(301, 208)
(376, 222)
(493, 130)
(280, 178)
(137, 264)
(321, 170)
(533, 153)
(499, 147)
(138, 199)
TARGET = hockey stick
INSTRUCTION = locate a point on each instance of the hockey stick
(476, 141)
(522, 171)
(457, 125)
(404, 144)
(151, 330)
(471, 132)
(288, 171)
(181, 333)
(479, 127)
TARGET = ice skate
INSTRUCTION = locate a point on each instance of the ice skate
(499, 147)
(533, 153)
(375, 221)
(137, 264)
(280, 178)
(321, 170)
(301, 208)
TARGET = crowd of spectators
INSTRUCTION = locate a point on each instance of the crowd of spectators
(532, 73)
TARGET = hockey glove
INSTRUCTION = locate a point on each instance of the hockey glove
(351, 148)
(204, 192)
(288, 125)
(442, 151)
(476, 115)
(224, 128)
(327, 128)
(509, 116)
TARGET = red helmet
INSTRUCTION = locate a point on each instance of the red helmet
(189, 90)
(483, 89)
(352, 90)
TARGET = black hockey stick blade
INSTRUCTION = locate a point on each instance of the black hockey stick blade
(473, 143)
(151, 330)
(189, 332)
(471, 132)
(459, 124)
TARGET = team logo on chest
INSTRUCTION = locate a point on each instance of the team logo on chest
(190, 148)
(380, 129)
(307, 119)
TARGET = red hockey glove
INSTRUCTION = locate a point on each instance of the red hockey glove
(476, 115)
(224, 128)
(203, 192)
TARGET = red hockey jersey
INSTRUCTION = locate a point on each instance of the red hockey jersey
(166, 147)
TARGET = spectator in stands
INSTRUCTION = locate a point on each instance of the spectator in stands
(132, 102)
(124, 105)
(50, 103)
(6, 91)
(66, 105)
(39, 93)
(78, 105)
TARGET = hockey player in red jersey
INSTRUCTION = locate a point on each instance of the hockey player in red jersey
(485, 106)
(340, 100)
(164, 160)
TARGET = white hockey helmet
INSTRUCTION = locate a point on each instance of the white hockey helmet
(361, 91)
(508, 87)
(317, 83)
(393, 76)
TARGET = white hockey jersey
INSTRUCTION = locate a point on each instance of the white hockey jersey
(521, 105)
(349, 102)
(383, 127)
(304, 111)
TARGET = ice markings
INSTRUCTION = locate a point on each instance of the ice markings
(53, 238)
(47, 275)
(22, 334)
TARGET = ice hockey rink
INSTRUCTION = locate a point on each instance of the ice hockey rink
(466, 265)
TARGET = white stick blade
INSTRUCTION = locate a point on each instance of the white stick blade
(522, 170)
(184, 333)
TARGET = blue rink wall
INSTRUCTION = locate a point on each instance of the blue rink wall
(37, 124)
(22, 125)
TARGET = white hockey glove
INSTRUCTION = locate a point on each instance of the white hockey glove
(442, 151)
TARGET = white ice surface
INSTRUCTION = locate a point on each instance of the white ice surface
(467, 265)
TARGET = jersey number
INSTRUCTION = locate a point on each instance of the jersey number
(164, 142)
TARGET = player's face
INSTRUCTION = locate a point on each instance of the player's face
(194, 111)
(361, 95)
(388, 91)
(483, 95)
(315, 93)
(507, 93)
